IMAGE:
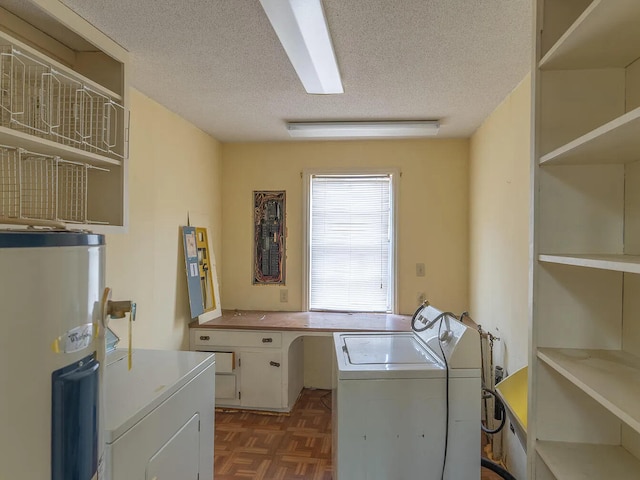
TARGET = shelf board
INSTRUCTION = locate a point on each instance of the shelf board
(606, 35)
(615, 262)
(16, 138)
(610, 377)
(581, 461)
(615, 142)
(55, 65)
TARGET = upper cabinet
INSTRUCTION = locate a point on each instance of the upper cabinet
(64, 121)
(585, 357)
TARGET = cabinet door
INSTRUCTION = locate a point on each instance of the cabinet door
(226, 388)
(261, 379)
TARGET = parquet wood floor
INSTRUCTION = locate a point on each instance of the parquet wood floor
(279, 447)
(276, 447)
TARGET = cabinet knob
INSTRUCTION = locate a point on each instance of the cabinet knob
(274, 364)
(205, 337)
(267, 340)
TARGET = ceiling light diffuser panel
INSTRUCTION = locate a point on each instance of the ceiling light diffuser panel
(380, 129)
(302, 29)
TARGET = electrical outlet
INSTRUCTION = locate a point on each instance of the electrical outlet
(421, 298)
(419, 269)
(284, 295)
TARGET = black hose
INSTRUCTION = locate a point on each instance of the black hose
(503, 416)
(415, 317)
(494, 467)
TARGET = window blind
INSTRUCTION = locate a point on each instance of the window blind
(350, 243)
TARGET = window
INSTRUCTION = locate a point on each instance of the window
(350, 242)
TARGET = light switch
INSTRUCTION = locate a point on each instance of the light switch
(284, 295)
(419, 269)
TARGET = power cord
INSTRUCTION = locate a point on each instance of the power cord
(494, 467)
(446, 365)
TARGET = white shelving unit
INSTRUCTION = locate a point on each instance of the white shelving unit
(575, 461)
(588, 41)
(608, 376)
(584, 373)
(65, 95)
(614, 262)
(616, 142)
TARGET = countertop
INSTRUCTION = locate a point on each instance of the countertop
(308, 321)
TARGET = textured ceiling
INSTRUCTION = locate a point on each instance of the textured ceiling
(218, 63)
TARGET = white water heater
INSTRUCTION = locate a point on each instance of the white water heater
(51, 355)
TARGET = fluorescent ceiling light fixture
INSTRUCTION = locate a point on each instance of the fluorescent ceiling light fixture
(417, 128)
(302, 29)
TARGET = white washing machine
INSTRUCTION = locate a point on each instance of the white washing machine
(159, 416)
(390, 403)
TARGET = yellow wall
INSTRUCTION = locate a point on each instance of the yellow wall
(499, 224)
(499, 184)
(432, 219)
(174, 168)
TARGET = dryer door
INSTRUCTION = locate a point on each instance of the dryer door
(178, 458)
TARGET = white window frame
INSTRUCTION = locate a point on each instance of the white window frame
(307, 174)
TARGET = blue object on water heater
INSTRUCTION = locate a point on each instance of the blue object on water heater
(74, 420)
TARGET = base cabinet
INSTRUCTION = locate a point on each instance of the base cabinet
(250, 367)
(255, 369)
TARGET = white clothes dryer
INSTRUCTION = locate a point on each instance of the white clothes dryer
(159, 415)
(393, 395)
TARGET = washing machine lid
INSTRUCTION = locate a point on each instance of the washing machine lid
(385, 349)
(385, 355)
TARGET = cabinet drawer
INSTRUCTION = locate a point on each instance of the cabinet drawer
(234, 338)
(225, 362)
(226, 386)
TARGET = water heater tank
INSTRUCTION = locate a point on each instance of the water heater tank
(51, 351)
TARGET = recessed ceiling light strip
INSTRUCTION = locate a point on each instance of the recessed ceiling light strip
(379, 129)
(302, 29)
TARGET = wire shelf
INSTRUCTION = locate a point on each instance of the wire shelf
(37, 99)
(5, 84)
(9, 182)
(95, 112)
(66, 126)
(26, 100)
(38, 187)
(43, 187)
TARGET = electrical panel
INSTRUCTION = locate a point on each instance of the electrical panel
(269, 241)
